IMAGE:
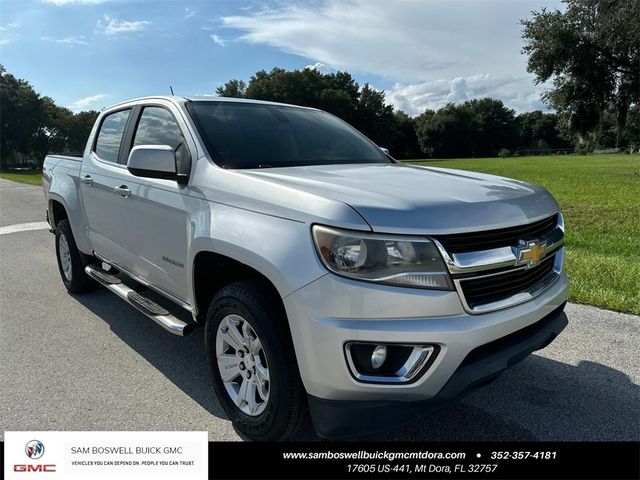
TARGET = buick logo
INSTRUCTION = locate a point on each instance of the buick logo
(34, 449)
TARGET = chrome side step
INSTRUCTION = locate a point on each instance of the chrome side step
(143, 304)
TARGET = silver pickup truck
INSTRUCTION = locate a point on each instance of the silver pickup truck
(329, 278)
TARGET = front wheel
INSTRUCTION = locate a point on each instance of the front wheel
(252, 362)
(71, 261)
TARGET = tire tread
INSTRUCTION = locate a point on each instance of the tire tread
(257, 296)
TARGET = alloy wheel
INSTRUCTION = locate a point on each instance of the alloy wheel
(242, 364)
(65, 256)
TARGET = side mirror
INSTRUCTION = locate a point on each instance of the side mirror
(153, 161)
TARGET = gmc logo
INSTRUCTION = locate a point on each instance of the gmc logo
(34, 468)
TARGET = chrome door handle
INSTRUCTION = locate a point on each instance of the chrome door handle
(123, 190)
(87, 180)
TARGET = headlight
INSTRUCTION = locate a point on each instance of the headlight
(392, 259)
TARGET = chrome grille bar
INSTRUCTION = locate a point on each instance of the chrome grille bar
(471, 262)
(478, 266)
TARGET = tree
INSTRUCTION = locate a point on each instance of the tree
(79, 129)
(475, 128)
(539, 130)
(373, 117)
(53, 135)
(449, 132)
(495, 127)
(337, 93)
(22, 117)
(591, 51)
(405, 141)
(633, 128)
(233, 88)
(33, 126)
(423, 125)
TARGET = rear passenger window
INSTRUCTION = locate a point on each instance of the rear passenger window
(110, 135)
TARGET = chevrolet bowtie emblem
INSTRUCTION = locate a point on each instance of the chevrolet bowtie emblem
(530, 253)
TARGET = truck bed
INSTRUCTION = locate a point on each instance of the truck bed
(75, 158)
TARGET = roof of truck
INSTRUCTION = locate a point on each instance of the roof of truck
(195, 98)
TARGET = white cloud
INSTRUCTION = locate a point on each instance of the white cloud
(9, 36)
(61, 3)
(112, 26)
(320, 67)
(86, 102)
(189, 12)
(458, 49)
(218, 40)
(71, 40)
(516, 92)
(9, 26)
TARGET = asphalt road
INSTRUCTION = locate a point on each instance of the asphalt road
(92, 362)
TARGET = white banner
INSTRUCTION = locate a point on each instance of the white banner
(121, 455)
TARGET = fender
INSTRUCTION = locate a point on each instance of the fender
(280, 249)
(64, 189)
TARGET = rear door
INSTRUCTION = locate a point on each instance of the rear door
(99, 177)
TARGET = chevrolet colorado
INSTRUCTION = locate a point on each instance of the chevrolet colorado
(329, 278)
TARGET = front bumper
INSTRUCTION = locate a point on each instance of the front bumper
(332, 311)
(345, 418)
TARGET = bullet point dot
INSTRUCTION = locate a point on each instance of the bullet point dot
(478, 455)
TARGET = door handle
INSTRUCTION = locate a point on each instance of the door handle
(87, 180)
(123, 190)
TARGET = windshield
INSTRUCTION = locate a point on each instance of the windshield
(253, 135)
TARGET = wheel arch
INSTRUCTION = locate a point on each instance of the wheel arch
(57, 212)
(212, 271)
(63, 201)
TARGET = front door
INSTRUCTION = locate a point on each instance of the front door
(155, 214)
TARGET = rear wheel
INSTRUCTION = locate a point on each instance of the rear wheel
(252, 362)
(71, 261)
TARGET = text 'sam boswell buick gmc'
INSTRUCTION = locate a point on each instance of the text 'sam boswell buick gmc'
(329, 278)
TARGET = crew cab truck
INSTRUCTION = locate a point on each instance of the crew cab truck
(329, 278)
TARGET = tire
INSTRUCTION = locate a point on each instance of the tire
(285, 408)
(71, 261)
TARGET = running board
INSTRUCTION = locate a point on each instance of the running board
(143, 304)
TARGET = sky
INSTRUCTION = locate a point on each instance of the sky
(89, 54)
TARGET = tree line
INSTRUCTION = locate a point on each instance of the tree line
(32, 125)
(589, 53)
(476, 128)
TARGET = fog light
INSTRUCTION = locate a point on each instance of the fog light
(378, 356)
(389, 363)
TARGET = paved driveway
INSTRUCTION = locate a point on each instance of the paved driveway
(92, 362)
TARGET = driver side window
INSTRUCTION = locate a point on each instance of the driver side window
(157, 126)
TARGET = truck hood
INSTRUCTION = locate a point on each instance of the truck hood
(399, 198)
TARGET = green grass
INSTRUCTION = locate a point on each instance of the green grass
(599, 196)
(32, 177)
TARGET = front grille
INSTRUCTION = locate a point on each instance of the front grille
(488, 289)
(503, 237)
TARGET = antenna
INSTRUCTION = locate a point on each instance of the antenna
(171, 88)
